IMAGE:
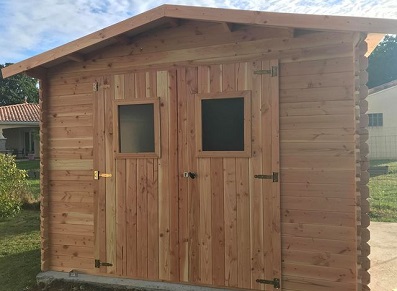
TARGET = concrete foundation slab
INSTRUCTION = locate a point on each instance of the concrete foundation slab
(111, 282)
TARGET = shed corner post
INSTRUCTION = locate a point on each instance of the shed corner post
(44, 195)
(362, 165)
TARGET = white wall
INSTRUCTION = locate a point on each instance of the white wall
(383, 139)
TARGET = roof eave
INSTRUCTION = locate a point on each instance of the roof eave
(305, 21)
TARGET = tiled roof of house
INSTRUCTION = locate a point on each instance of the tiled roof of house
(25, 112)
(382, 87)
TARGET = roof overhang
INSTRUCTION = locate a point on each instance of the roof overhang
(36, 66)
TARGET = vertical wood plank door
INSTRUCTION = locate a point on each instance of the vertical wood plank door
(136, 222)
(229, 221)
(175, 207)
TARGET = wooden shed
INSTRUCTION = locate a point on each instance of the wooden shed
(209, 147)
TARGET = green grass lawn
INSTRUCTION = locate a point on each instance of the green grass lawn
(19, 250)
(28, 165)
(383, 193)
(34, 183)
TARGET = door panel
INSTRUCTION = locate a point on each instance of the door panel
(229, 229)
(221, 228)
(137, 215)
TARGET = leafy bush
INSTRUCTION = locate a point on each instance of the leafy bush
(13, 187)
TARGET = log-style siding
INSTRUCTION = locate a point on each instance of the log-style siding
(317, 146)
(69, 158)
(318, 158)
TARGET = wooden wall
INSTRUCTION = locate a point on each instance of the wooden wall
(69, 156)
(317, 142)
(318, 206)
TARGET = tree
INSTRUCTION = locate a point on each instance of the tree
(382, 63)
(13, 90)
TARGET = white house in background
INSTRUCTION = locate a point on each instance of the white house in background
(19, 127)
(382, 113)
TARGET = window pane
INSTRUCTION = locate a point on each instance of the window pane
(223, 124)
(136, 128)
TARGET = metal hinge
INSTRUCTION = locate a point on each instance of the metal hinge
(273, 71)
(95, 86)
(275, 282)
(98, 175)
(273, 177)
(99, 264)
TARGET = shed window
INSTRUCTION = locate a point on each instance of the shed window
(136, 127)
(375, 119)
(224, 124)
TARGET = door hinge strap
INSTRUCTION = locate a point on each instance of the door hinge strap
(273, 177)
(272, 72)
(275, 282)
(99, 264)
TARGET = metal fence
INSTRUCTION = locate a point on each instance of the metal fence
(383, 190)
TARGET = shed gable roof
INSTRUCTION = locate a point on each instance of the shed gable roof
(76, 49)
(25, 112)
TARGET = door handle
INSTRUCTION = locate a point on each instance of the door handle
(190, 175)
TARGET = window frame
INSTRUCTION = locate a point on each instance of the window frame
(375, 117)
(156, 123)
(246, 95)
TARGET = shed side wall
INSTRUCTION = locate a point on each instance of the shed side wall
(317, 126)
(318, 206)
(70, 174)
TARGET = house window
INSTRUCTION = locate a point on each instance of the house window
(375, 119)
(224, 124)
(137, 128)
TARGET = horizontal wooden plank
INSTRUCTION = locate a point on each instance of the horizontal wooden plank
(72, 262)
(310, 284)
(317, 121)
(316, 162)
(347, 275)
(62, 80)
(74, 251)
(70, 89)
(317, 81)
(70, 132)
(325, 66)
(72, 240)
(318, 135)
(64, 207)
(70, 175)
(316, 94)
(198, 53)
(296, 243)
(66, 186)
(71, 229)
(303, 189)
(193, 33)
(316, 258)
(318, 176)
(72, 99)
(72, 164)
(68, 217)
(70, 143)
(71, 196)
(317, 216)
(317, 108)
(327, 149)
(319, 231)
(323, 204)
(54, 120)
(69, 110)
(71, 153)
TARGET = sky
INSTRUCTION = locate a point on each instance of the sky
(30, 27)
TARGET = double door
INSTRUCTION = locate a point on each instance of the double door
(188, 189)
